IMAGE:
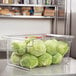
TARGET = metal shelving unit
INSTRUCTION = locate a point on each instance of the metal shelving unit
(27, 5)
(23, 16)
(2, 16)
(61, 6)
(53, 19)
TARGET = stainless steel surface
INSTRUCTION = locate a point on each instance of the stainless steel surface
(27, 5)
(61, 4)
(26, 16)
(63, 36)
(53, 70)
(73, 27)
(68, 11)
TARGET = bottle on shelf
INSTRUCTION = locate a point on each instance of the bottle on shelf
(26, 1)
(48, 2)
(15, 1)
(21, 1)
(1, 1)
(18, 1)
(61, 2)
(54, 2)
(10, 1)
(5, 1)
(33, 1)
(43, 2)
(40, 2)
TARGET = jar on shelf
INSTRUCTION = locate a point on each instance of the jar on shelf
(48, 2)
(26, 1)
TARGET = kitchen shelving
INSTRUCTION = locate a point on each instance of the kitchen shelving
(27, 5)
(26, 16)
(42, 3)
(24, 11)
(54, 15)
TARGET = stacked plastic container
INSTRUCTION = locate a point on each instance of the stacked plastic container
(38, 50)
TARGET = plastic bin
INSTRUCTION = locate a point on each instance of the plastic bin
(60, 38)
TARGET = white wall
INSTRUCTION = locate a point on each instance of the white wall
(22, 26)
(26, 26)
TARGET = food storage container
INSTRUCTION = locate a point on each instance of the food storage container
(38, 50)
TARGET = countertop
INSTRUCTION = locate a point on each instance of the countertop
(53, 70)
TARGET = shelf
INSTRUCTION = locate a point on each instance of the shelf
(61, 17)
(26, 17)
(27, 5)
(31, 17)
(60, 6)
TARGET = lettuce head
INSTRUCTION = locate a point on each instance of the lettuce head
(19, 47)
(56, 59)
(62, 47)
(29, 61)
(51, 46)
(15, 59)
(36, 47)
(45, 60)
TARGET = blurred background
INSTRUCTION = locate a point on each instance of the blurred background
(65, 24)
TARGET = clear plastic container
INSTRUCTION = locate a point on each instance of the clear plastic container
(59, 38)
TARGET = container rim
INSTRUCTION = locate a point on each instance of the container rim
(64, 36)
(46, 35)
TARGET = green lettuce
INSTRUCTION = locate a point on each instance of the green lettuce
(15, 59)
(56, 59)
(45, 59)
(19, 47)
(51, 46)
(29, 61)
(36, 47)
(62, 47)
